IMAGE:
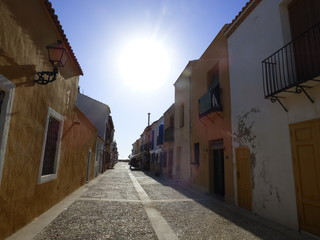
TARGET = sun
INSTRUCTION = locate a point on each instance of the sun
(144, 64)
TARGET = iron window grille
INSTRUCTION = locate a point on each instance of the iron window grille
(50, 152)
(2, 95)
(51, 147)
(196, 152)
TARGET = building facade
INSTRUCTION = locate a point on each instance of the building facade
(211, 150)
(168, 141)
(99, 114)
(274, 69)
(182, 126)
(46, 143)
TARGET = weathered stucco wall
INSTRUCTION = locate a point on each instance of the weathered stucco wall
(22, 53)
(259, 124)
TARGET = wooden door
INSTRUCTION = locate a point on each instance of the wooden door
(218, 169)
(305, 143)
(304, 14)
(244, 177)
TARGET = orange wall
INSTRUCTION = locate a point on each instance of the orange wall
(213, 126)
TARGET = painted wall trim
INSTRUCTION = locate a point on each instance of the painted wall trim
(9, 87)
(49, 177)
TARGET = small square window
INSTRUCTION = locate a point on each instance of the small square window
(196, 158)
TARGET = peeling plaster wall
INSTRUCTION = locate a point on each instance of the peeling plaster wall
(22, 53)
(259, 124)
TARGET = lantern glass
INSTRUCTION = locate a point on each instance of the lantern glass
(57, 54)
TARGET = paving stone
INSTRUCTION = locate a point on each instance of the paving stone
(207, 220)
(100, 220)
(111, 209)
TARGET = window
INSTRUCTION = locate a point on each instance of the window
(2, 95)
(51, 149)
(171, 124)
(165, 159)
(181, 115)
(7, 89)
(214, 86)
(160, 136)
(196, 158)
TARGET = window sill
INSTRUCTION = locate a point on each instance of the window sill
(47, 178)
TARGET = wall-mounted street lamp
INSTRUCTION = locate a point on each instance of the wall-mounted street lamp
(58, 57)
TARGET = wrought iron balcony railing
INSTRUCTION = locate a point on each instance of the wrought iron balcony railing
(169, 134)
(160, 139)
(210, 102)
(292, 65)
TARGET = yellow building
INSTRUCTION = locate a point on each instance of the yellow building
(45, 141)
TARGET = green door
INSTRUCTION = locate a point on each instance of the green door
(216, 164)
(218, 169)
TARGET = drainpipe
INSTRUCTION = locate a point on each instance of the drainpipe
(190, 130)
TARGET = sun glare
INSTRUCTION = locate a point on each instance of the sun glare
(144, 64)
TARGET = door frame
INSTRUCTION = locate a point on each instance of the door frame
(217, 144)
(296, 172)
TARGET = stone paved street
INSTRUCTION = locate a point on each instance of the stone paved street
(124, 204)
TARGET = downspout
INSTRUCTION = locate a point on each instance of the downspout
(190, 131)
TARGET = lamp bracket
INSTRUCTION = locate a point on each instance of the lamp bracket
(46, 77)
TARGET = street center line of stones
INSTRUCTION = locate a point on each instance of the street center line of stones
(159, 224)
(140, 201)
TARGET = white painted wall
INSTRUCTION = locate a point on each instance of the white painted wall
(260, 124)
(156, 133)
(99, 157)
(181, 158)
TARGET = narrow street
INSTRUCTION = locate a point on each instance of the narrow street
(124, 204)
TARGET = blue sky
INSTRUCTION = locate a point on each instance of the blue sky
(100, 30)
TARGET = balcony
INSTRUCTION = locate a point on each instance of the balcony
(289, 69)
(151, 145)
(160, 139)
(169, 134)
(210, 102)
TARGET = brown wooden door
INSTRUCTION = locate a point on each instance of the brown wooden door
(244, 177)
(305, 14)
(305, 143)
